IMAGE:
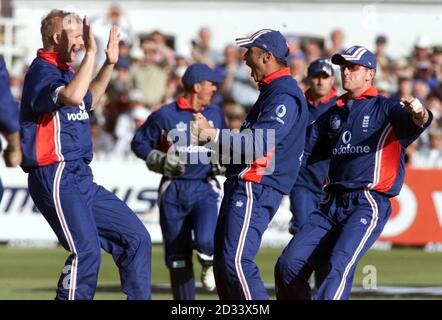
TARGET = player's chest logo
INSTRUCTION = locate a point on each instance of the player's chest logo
(181, 126)
(79, 114)
(365, 123)
(335, 122)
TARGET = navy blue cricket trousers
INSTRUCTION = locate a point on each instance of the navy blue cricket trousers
(302, 203)
(335, 238)
(86, 217)
(246, 211)
(188, 206)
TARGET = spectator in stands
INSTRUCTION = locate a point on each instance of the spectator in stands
(297, 64)
(128, 122)
(102, 141)
(422, 49)
(148, 77)
(383, 60)
(165, 54)
(336, 42)
(425, 72)
(434, 104)
(238, 85)
(202, 51)
(313, 49)
(101, 25)
(405, 87)
(430, 158)
(421, 90)
(436, 60)
(117, 94)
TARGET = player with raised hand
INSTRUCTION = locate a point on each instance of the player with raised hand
(365, 136)
(57, 148)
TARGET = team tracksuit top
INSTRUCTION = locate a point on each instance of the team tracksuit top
(8, 106)
(313, 176)
(365, 140)
(281, 107)
(51, 133)
(173, 120)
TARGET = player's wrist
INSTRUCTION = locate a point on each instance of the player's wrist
(422, 118)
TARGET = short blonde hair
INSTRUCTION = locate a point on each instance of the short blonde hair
(50, 23)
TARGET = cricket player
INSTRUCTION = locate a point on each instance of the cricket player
(189, 195)
(307, 191)
(57, 147)
(268, 149)
(365, 136)
(8, 122)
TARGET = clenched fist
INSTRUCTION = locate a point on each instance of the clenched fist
(201, 131)
(416, 109)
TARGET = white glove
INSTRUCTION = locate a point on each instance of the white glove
(167, 164)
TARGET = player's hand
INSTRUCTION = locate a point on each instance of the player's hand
(173, 166)
(88, 37)
(201, 130)
(12, 156)
(170, 164)
(112, 49)
(416, 109)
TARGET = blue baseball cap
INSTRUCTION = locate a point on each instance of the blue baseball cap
(356, 55)
(199, 72)
(269, 40)
(320, 66)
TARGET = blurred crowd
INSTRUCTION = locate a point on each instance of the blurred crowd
(148, 75)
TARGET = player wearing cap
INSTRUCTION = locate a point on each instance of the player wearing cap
(365, 136)
(189, 195)
(268, 149)
(307, 191)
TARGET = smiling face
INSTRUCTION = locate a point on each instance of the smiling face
(205, 92)
(71, 42)
(62, 32)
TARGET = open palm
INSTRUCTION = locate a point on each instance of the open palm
(112, 49)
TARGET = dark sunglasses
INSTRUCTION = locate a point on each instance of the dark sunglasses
(350, 66)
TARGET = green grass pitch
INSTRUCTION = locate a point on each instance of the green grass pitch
(30, 273)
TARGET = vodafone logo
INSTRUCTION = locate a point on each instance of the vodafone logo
(346, 137)
(80, 115)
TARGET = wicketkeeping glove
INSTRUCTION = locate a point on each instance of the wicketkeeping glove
(167, 164)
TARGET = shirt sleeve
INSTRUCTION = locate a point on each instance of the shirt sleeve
(8, 106)
(273, 124)
(46, 89)
(317, 142)
(147, 137)
(402, 122)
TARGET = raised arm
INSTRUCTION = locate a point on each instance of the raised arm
(73, 93)
(99, 84)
